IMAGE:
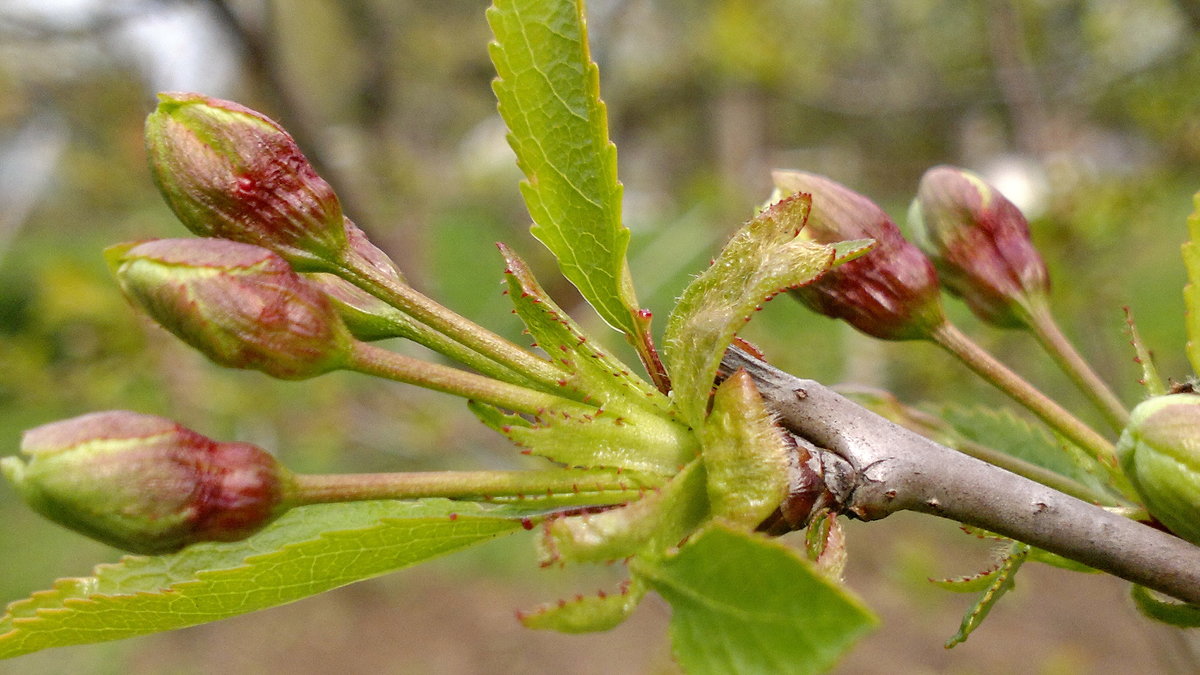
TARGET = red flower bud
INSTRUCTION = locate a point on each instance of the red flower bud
(146, 484)
(979, 242)
(240, 305)
(230, 172)
(892, 291)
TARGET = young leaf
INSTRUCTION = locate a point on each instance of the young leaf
(1166, 611)
(745, 453)
(1191, 292)
(1002, 580)
(1151, 380)
(647, 527)
(594, 375)
(764, 258)
(587, 613)
(742, 603)
(548, 90)
(307, 551)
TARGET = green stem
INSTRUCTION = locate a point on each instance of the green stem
(424, 335)
(1051, 337)
(460, 329)
(986, 366)
(561, 487)
(372, 360)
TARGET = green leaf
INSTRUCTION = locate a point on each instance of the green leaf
(595, 376)
(1191, 292)
(745, 453)
(1000, 429)
(647, 527)
(586, 613)
(548, 90)
(1167, 611)
(1151, 380)
(307, 551)
(743, 603)
(1000, 581)
(766, 257)
(619, 420)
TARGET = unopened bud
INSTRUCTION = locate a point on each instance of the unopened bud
(979, 242)
(146, 484)
(228, 171)
(240, 305)
(892, 291)
(1160, 452)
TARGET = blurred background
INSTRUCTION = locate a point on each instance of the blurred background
(1084, 112)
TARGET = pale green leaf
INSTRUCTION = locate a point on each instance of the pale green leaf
(1151, 380)
(743, 603)
(645, 528)
(548, 90)
(586, 613)
(595, 376)
(307, 551)
(1191, 292)
(745, 453)
(618, 419)
(1000, 581)
(766, 257)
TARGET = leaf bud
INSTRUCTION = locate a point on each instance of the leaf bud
(146, 484)
(1160, 453)
(228, 171)
(240, 305)
(979, 242)
(892, 291)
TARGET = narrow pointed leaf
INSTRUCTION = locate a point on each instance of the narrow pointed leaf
(1166, 611)
(1151, 380)
(1002, 580)
(586, 613)
(593, 374)
(548, 90)
(764, 258)
(742, 603)
(308, 551)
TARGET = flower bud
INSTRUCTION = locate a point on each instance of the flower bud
(891, 292)
(979, 242)
(230, 172)
(146, 484)
(240, 305)
(1160, 452)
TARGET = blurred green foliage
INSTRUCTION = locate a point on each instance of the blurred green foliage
(1082, 110)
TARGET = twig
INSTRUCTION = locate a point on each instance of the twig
(896, 470)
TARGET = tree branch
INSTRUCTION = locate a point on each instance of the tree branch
(895, 469)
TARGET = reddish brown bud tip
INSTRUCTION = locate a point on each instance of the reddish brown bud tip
(146, 484)
(228, 171)
(979, 241)
(892, 291)
(240, 305)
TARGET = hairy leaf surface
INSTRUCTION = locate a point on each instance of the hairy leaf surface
(767, 256)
